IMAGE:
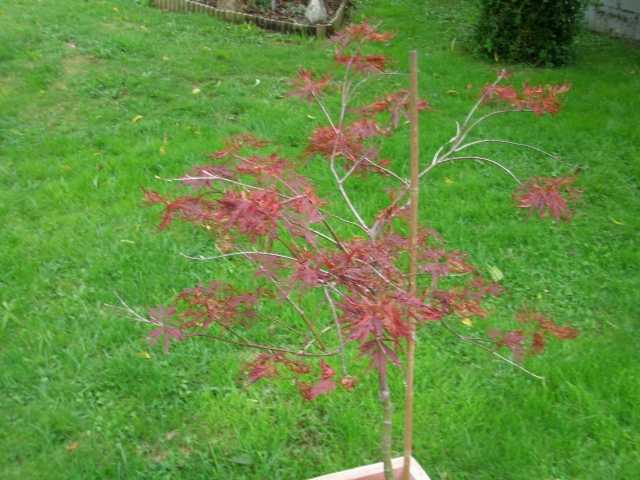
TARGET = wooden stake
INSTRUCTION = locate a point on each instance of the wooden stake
(413, 249)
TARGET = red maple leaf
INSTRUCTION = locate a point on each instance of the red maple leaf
(160, 316)
(203, 175)
(513, 340)
(465, 301)
(307, 272)
(296, 366)
(396, 103)
(215, 302)
(546, 325)
(547, 196)
(360, 32)
(312, 391)
(362, 63)
(237, 142)
(152, 197)
(253, 213)
(537, 343)
(535, 326)
(326, 371)
(191, 209)
(537, 99)
(322, 386)
(305, 87)
(263, 166)
(307, 205)
(379, 354)
(374, 317)
(329, 141)
(347, 143)
(348, 382)
(364, 128)
(262, 366)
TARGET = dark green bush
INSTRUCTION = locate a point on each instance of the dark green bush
(539, 32)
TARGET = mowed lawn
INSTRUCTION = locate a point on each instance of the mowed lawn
(99, 98)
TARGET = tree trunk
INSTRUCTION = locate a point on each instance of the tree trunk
(385, 440)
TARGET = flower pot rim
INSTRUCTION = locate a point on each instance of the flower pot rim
(368, 471)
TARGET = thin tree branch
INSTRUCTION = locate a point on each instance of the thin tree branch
(481, 119)
(336, 321)
(481, 159)
(258, 346)
(139, 318)
(313, 340)
(492, 352)
(478, 103)
(507, 142)
(324, 110)
(345, 195)
(387, 171)
(234, 254)
(352, 169)
(328, 226)
(300, 311)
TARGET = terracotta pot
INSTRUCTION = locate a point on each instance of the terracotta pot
(375, 471)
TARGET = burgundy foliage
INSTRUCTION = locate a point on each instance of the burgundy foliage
(547, 196)
(537, 99)
(236, 143)
(323, 385)
(530, 339)
(395, 104)
(359, 33)
(191, 209)
(161, 316)
(273, 218)
(306, 87)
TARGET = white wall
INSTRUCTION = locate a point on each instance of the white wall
(616, 17)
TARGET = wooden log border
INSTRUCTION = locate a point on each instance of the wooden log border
(321, 30)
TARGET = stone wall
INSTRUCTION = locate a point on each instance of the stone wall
(616, 17)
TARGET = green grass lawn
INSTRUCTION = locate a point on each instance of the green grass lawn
(98, 98)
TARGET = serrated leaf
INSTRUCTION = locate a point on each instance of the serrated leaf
(495, 273)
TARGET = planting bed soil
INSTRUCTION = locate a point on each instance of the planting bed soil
(287, 17)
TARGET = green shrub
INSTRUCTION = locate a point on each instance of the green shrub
(539, 32)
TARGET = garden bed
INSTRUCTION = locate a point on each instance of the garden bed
(287, 18)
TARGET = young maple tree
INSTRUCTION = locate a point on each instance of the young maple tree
(376, 283)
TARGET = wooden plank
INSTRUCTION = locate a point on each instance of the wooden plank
(375, 471)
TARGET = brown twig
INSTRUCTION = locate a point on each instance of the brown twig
(247, 344)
